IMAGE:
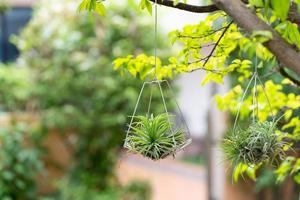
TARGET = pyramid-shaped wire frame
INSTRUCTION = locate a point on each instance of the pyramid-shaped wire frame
(150, 147)
(257, 80)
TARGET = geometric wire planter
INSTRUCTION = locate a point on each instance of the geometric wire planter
(258, 143)
(155, 132)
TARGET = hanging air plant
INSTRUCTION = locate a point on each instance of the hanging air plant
(153, 137)
(156, 137)
(255, 145)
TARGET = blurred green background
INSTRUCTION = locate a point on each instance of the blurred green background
(63, 85)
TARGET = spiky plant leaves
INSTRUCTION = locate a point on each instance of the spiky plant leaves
(258, 144)
(154, 138)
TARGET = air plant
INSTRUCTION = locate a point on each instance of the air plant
(255, 145)
(154, 137)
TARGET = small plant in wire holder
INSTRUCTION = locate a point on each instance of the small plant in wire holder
(258, 144)
(153, 137)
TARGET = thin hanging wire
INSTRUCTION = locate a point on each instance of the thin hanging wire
(254, 96)
(134, 112)
(150, 100)
(268, 100)
(179, 109)
(264, 92)
(155, 40)
(256, 79)
(241, 102)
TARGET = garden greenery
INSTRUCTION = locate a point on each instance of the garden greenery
(20, 163)
(154, 137)
(136, 190)
(74, 87)
(236, 54)
(64, 75)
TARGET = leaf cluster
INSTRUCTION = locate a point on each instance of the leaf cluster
(92, 5)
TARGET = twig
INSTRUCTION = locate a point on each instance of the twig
(187, 7)
(202, 36)
(206, 59)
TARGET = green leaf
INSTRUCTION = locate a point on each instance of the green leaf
(281, 8)
(238, 171)
(258, 3)
(251, 172)
(297, 178)
(100, 9)
(92, 5)
(262, 36)
(149, 7)
(83, 5)
(145, 4)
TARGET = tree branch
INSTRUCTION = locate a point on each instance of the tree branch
(293, 13)
(206, 58)
(217, 43)
(187, 7)
(248, 20)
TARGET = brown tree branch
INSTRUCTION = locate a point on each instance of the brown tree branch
(293, 13)
(217, 43)
(202, 36)
(248, 20)
(206, 58)
(187, 7)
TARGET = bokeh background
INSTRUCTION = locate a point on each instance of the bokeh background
(64, 108)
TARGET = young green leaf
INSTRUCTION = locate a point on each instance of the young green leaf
(262, 36)
(258, 3)
(281, 8)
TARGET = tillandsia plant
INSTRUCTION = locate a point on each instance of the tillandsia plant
(154, 137)
(255, 145)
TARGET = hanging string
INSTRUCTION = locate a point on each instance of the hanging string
(255, 77)
(263, 90)
(241, 102)
(155, 39)
(150, 100)
(254, 97)
(134, 112)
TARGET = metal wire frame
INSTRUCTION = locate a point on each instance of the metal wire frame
(255, 77)
(158, 83)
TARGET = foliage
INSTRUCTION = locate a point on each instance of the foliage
(133, 191)
(3, 6)
(282, 102)
(233, 52)
(154, 137)
(19, 163)
(290, 167)
(92, 5)
(15, 87)
(255, 145)
(73, 87)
